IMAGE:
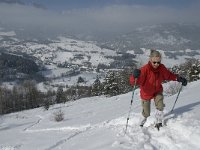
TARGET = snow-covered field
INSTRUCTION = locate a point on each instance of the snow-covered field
(98, 123)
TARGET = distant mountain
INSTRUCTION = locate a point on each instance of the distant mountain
(20, 2)
(12, 1)
(163, 36)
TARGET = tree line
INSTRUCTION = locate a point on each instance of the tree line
(28, 96)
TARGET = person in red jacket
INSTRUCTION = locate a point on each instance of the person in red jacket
(150, 78)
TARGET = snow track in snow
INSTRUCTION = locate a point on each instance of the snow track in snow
(175, 136)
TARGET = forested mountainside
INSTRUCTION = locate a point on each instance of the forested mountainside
(16, 66)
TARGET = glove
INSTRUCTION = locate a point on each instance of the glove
(182, 80)
(136, 73)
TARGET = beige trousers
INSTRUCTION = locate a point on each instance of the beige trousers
(146, 105)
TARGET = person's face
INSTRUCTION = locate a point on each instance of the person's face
(155, 61)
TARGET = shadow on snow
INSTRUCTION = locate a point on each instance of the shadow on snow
(181, 110)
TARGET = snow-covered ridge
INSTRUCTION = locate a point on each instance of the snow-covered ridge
(63, 50)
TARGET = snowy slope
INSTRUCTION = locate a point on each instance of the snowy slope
(98, 123)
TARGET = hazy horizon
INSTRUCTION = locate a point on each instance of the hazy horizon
(111, 18)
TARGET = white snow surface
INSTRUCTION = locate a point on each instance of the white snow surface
(98, 123)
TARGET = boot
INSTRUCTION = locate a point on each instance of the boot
(159, 119)
(143, 122)
(158, 125)
(159, 116)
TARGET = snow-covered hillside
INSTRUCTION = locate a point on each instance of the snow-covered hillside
(98, 123)
(60, 50)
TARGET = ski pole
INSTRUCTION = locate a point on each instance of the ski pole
(134, 87)
(177, 98)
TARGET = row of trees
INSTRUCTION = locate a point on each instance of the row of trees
(22, 97)
(115, 83)
(27, 96)
(190, 69)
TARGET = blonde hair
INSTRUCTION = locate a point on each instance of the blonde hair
(155, 53)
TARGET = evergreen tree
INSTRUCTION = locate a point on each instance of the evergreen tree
(80, 80)
(123, 80)
(60, 97)
(96, 87)
(110, 86)
(194, 72)
(190, 69)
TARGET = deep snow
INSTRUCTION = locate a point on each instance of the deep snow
(98, 123)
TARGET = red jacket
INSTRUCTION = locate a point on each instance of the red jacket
(150, 80)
